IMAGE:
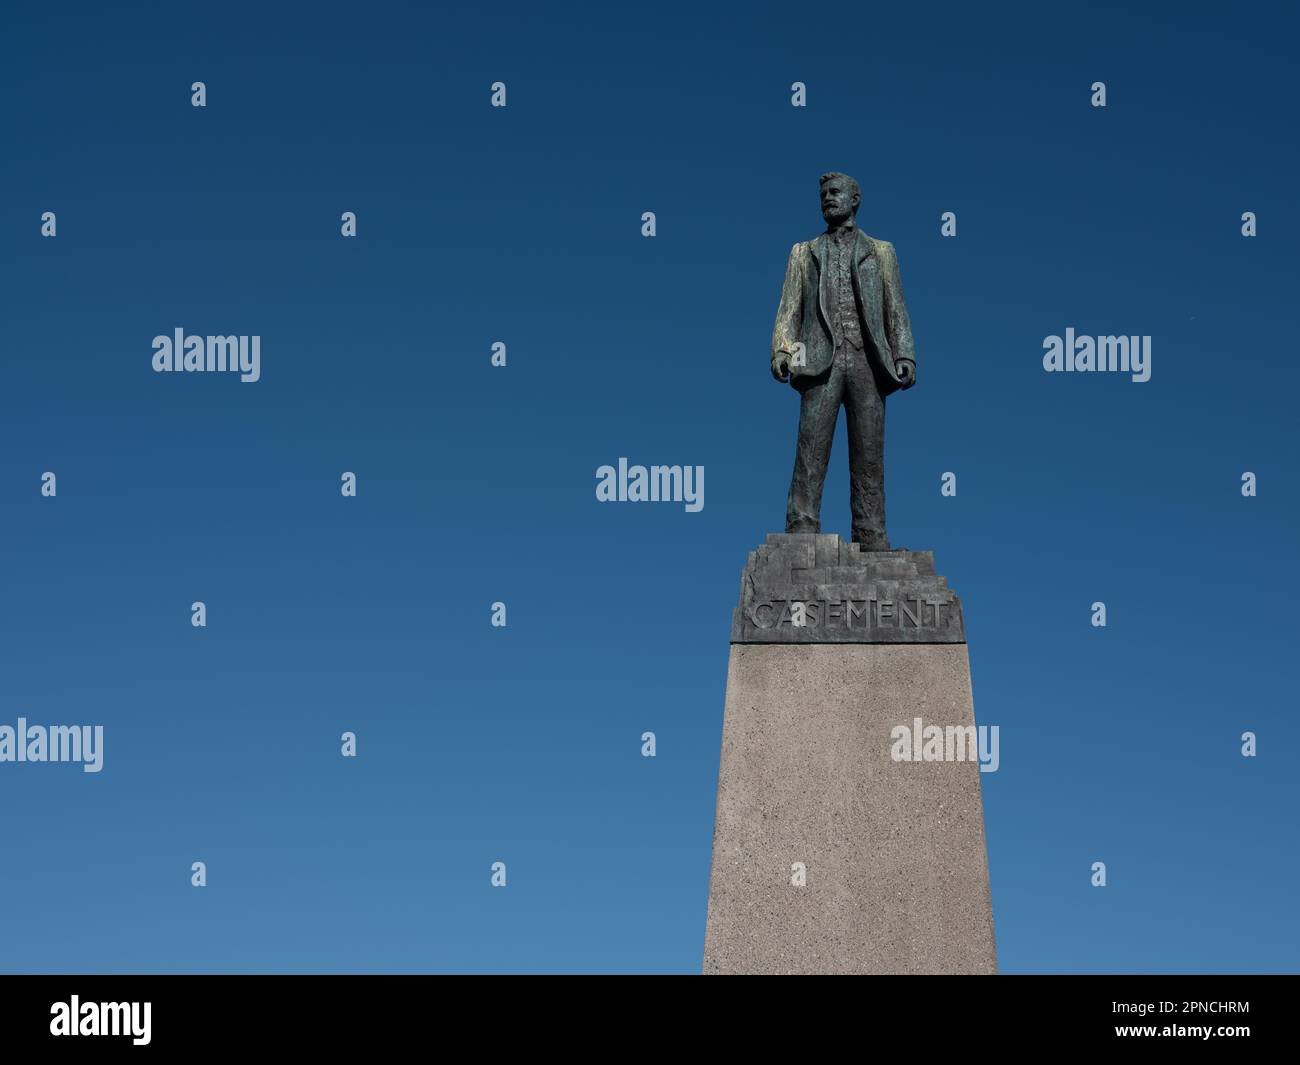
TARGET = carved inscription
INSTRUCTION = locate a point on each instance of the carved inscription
(907, 612)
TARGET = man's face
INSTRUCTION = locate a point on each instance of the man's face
(838, 202)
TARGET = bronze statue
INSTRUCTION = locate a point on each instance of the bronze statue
(842, 336)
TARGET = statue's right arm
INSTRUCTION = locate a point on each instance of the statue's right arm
(785, 334)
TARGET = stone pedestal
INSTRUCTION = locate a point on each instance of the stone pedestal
(850, 831)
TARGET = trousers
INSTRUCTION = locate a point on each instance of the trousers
(850, 381)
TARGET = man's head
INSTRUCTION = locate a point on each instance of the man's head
(840, 198)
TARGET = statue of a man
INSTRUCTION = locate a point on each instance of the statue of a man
(842, 336)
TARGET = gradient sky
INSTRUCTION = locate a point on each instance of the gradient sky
(476, 484)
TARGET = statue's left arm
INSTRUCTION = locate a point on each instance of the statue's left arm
(898, 327)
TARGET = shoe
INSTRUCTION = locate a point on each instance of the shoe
(872, 542)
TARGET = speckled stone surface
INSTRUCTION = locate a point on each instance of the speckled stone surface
(894, 852)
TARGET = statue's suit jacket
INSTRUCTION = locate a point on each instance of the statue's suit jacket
(806, 299)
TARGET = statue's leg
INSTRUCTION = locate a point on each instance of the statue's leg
(865, 414)
(819, 406)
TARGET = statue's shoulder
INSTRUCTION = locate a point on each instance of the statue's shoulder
(801, 253)
(882, 248)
